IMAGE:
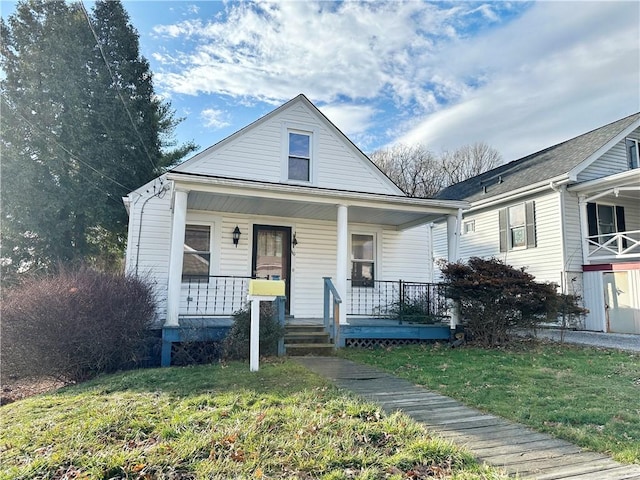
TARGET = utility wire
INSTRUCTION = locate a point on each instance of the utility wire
(115, 83)
(62, 147)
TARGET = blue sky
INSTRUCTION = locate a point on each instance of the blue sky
(520, 76)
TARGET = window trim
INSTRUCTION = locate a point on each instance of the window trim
(213, 240)
(506, 239)
(373, 261)
(312, 132)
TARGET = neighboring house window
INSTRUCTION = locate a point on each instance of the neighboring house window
(299, 156)
(468, 227)
(517, 226)
(196, 259)
(604, 221)
(633, 153)
(362, 260)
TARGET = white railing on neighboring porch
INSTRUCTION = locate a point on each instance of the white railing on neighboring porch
(613, 246)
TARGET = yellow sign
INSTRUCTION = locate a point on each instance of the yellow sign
(266, 288)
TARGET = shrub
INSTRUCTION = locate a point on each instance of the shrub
(75, 325)
(495, 298)
(237, 342)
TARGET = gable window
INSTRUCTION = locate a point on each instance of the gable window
(517, 226)
(299, 167)
(605, 221)
(196, 259)
(633, 153)
(362, 260)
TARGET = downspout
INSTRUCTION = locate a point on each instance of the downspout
(458, 233)
(561, 190)
(431, 256)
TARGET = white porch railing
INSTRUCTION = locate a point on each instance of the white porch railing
(614, 246)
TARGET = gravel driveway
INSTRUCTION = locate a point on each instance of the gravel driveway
(608, 340)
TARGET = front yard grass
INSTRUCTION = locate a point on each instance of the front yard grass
(219, 421)
(588, 396)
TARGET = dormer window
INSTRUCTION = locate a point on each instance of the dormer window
(632, 153)
(299, 156)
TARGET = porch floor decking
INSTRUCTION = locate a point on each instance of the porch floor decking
(513, 447)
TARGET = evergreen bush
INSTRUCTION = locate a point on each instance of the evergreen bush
(237, 342)
(496, 298)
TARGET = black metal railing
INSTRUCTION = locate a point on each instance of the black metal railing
(406, 301)
(213, 295)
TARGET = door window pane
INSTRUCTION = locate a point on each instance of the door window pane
(270, 260)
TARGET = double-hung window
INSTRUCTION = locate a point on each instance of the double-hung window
(362, 260)
(196, 259)
(604, 222)
(299, 166)
(517, 225)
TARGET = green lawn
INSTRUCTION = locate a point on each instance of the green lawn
(218, 421)
(588, 396)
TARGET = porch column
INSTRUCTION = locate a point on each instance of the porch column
(584, 228)
(453, 255)
(453, 237)
(175, 256)
(342, 259)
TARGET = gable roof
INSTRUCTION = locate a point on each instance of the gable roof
(188, 165)
(553, 163)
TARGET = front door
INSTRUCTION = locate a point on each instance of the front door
(272, 255)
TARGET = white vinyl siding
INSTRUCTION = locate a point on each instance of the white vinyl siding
(572, 233)
(257, 154)
(612, 162)
(544, 262)
(148, 247)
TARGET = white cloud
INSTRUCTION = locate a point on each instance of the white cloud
(214, 118)
(543, 80)
(328, 50)
(520, 76)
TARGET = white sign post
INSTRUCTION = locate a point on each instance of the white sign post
(260, 291)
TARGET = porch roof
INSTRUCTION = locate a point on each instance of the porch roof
(233, 195)
(624, 184)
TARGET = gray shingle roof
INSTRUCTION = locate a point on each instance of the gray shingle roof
(543, 165)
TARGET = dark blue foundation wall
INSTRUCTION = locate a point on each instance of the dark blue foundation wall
(193, 330)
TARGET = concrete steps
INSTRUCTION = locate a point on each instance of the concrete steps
(307, 340)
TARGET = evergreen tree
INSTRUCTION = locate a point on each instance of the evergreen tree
(81, 127)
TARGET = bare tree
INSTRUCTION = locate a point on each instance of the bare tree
(414, 169)
(420, 173)
(469, 161)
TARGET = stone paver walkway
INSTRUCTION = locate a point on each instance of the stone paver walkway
(516, 449)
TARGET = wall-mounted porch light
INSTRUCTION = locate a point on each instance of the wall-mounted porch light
(294, 241)
(236, 236)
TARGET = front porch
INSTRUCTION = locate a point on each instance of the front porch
(385, 312)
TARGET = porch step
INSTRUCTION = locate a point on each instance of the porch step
(306, 337)
(307, 340)
(315, 349)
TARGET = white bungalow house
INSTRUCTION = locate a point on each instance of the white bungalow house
(570, 214)
(288, 197)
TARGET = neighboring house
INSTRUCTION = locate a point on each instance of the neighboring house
(288, 197)
(570, 214)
